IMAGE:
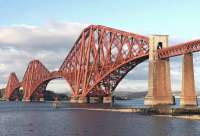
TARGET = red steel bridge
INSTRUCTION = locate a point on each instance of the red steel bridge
(100, 58)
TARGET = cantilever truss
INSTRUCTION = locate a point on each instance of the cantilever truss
(12, 86)
(98, 61)
(100, 58)
(35, 74)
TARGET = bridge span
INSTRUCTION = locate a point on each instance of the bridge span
(101, 57)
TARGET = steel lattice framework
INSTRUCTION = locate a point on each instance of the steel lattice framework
(12, 86)
(180, 49)
(35, 74)
(100, 58)
(36, 79)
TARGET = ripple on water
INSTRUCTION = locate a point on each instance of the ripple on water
(40, 119)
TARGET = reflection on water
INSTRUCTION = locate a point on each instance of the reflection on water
(40, 119)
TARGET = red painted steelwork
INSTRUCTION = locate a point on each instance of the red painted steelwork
(98, 61)
(35, 74)
(36, 79)
(101, 57)
(180, 49)
(12, 86)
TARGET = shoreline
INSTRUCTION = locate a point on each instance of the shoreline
(186, 117)
(189, 113)
(141, 111)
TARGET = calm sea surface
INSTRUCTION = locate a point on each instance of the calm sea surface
(40, 119)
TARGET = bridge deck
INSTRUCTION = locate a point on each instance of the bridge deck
(180, 49)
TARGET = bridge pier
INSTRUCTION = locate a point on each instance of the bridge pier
(108, 99)
(105, 99)
(73, 100)
(159, 84)
(41, 99)
(83, 100)
(26, 100)
(188, 95)
(95, 99)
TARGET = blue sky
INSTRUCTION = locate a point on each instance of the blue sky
(173, 17)
(26, 32)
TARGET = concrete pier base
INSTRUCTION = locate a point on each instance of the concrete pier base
(151, 100)
(95, 99)
(73, 100)
(26, 100)
(188, 101)
(159, 85)
(41, 99)
(83, 100)
(108, 99)
(6, 99)
(188, 95)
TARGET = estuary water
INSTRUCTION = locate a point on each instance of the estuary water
(40, 119)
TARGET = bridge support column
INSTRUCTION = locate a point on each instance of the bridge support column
(95, 99)
(188, 95)
(41, 99)
(26, 100)
(83, 100)
(159, 83)
(108, 99)
(73, 100)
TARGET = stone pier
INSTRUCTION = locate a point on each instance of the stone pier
(108, 99)
(26, 100)
(73, 100)
(41, 99)
(159, 85)
(95, 100)
(188, 95)
(83, 100)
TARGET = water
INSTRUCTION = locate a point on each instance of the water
(40, 119)
(140, 103)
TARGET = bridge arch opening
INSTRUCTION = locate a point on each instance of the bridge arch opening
(16, 94)
(49, 89)
(134, 84)
(59, 86)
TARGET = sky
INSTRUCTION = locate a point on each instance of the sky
(47, 29)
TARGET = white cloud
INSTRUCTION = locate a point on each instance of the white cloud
(19, 44)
